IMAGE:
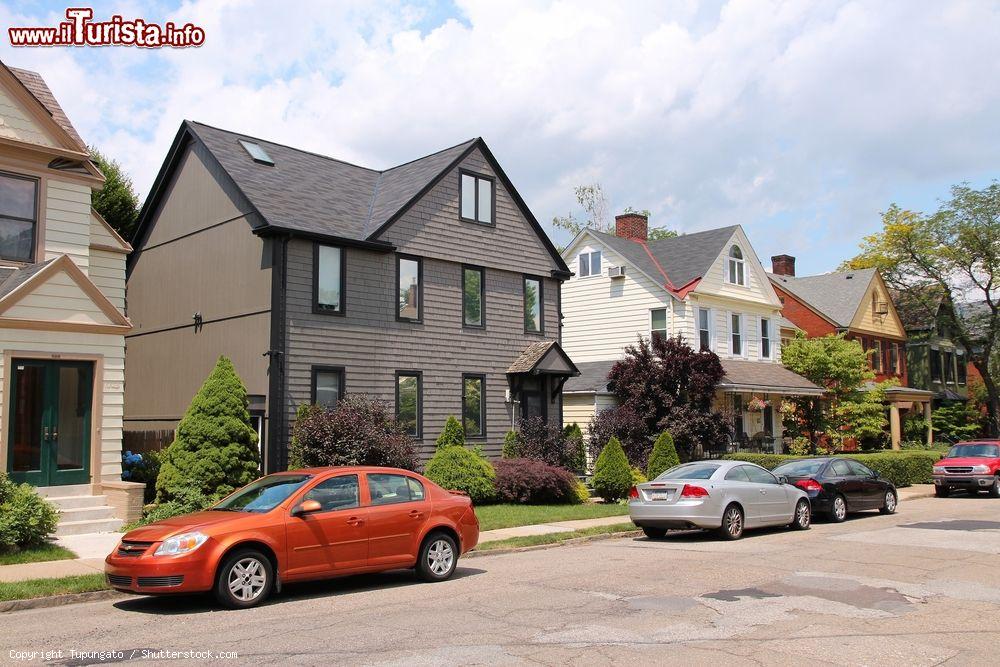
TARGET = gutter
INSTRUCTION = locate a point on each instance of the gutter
(269, 230)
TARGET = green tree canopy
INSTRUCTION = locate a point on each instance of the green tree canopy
(597, 214)
(117, 201)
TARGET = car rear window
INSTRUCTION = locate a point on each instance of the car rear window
(690, 471)
(800, 468)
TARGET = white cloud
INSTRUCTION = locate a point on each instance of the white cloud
(797, 119)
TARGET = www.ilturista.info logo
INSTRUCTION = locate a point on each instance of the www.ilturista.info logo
(80, 30)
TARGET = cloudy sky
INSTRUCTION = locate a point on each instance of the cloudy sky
(799, 120)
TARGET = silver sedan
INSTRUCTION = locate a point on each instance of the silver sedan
(727, 496)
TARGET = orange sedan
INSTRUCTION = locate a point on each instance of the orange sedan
(299, 525)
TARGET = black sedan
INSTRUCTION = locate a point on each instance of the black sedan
(837, 486)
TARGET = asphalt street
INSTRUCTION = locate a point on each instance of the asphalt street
(918, 588)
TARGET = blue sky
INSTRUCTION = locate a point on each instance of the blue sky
(799, 120)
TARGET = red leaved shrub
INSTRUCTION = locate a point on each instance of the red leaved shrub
(533, 482)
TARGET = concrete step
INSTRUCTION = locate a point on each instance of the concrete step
(89, 526)
(85, 514)
(64, 491)
(76, 502)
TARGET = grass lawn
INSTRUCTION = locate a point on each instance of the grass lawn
(38, 588)
(552, 538)
(36, 555)
(508, 516)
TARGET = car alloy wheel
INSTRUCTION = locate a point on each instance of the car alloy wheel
(889, 506)
(803, 515)
(994, 491)
(839, 509)
(247, 579)
(440, 557)
(732, 523)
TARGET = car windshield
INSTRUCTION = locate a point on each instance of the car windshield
(263, 495)
(690, 471)
(984, 451)
(800, 468)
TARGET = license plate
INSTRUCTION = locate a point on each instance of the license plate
(661, 495)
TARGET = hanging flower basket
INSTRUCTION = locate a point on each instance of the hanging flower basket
(756, 404)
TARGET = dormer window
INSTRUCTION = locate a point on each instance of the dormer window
(18, 217)
(476, 198)
(737, 272)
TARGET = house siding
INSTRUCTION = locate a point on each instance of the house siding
(67, 221)
(802, 316)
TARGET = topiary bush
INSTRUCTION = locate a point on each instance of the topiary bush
(901, 468)
(533, 482)
(612, 474)
(576, 449)
(664, 456)
(453, 434)
(360, 431)
(460, 469)
(215, 449)
(26, 518)
(509, 449)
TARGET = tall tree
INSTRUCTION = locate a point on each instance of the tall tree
(957, 251)
(597, 214)
(117, 201)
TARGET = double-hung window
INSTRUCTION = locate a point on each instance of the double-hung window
(765, 338)
(658, 322)
(935, 365)
(534, 309)
(474, 405)
(327, 386)
(329, 274)
(736, 334)
(473, 296)
(704, 329)
(894, 358)
(876, 356)
(18, 217)
(409, 401)
(949, 367)
(590, 264)
(737, 268)
(476, 198)
(409, 288)
(963, 370)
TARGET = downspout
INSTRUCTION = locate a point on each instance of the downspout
(277, 436)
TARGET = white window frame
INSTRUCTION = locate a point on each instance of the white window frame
(742, 333)
(711, 327)
(590, 263)
(666, 322)
(769, 339)
(736, 263)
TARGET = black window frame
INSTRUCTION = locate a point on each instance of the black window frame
(948, 365)
(420, 399)
(318, 308)
(420, 288)
(936, 363)
(493, 188)
(35, 221)
(541, 304)
(961, 366)
(482, 296)
(314, 372)
(482, 403)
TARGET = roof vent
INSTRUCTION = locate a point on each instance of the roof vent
(256, 152)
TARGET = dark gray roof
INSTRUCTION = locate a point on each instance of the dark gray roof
(593, 377)
(680, 259)
(36, 85)
(761, 376)
(837, 296)
(20, 276)
(533, 356)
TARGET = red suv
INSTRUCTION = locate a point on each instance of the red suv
(973, 466)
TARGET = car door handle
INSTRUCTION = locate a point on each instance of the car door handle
(355, 521)
(763, 492)
(416, 514)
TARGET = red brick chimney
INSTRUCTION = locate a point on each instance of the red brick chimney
(632, 226)
(783, 265)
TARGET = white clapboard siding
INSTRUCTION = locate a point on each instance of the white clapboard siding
(18, 124)
(58, 299)
(67, 222)
(107, 271)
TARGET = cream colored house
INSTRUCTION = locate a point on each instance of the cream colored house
(708, 287)
(62, 321)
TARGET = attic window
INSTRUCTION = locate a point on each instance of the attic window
(256, 152)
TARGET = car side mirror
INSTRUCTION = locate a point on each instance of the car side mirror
(782, 479)
(306, 507)
(875, 474)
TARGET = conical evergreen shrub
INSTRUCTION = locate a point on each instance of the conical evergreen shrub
(452, 434)
(663, 457)
(576, 451)
(215, 448)
(509, 449)
(612, 473)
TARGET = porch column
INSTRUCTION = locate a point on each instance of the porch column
(927, 416)
(894, 425)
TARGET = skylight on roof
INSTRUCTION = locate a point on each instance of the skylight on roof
(256, 152)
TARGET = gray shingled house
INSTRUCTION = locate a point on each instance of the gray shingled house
(429, 285)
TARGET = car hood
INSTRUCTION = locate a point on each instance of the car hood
(161, 530)
(967, 461)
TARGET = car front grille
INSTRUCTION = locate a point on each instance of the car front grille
(129, 549)
(119, 580)
(958, 470)
(161, 582)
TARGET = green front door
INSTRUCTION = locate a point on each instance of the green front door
(49, 430)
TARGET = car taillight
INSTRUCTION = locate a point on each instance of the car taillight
(633, 493)
(809, 485)
(692, 491)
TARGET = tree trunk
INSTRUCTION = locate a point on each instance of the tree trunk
(992, 400)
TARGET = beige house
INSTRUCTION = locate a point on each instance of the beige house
(62, 321)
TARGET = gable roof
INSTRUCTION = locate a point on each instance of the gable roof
(534, 357)
(36, 85)
(679, 262)
(918, 307)
(836, 296)
(304, 193)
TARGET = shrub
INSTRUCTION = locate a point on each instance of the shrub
(638, 477)
(360, 431)
(460, 469)
(509, 450)
(294, 446)
(956, 421)
(627, 427)
(186, 499)
(26, 518)
(453, 434)
(900, 468)
(538, 439)
(664, 456)
(575, 448)
(582, 492)
(215, 449)
(533, 482)
(612, 473)
(142, 468)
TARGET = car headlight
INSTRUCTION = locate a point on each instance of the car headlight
(980, 468)
(181, 544)
(939, 470)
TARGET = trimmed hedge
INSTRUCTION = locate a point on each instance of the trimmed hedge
(460, 469)
(901, 468)
(533, 482)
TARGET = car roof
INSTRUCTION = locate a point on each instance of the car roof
(328, 469)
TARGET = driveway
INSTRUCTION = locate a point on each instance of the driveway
(920, 587)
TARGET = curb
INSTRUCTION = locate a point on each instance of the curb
(551, 545)
(58, 600)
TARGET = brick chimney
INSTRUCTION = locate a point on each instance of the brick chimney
(632, 226)
(783, 265)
